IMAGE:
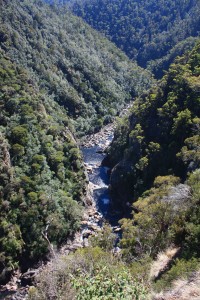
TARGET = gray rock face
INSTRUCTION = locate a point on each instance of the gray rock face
(119, 185)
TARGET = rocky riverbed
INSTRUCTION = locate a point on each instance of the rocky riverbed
(92, 219)
(96, 211)
(101, 139)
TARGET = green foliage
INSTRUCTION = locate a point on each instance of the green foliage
(152, 32)
(11, 244)
(20, 134)
(79, 68)
(190, 153)
(161, 135)
(157, 221)
(188, 262)
(161, 154)
(181, 269)
(168, 214)
(17, 150)
(103, 285)
(88, 274)
(192, 238)
(105, 239)
(39, 183)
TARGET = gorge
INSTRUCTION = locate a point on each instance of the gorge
(75, 172)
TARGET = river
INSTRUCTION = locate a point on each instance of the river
(99, 176)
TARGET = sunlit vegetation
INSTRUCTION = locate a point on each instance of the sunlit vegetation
(79, 68)
(60, 79)
(156, 150)
(161, 135)
(152, 32)
(55, 72)
(88, 274)
(41, 173)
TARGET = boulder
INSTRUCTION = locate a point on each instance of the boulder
(85, 242)
(117, 229)
(94, 227)
(87, 233)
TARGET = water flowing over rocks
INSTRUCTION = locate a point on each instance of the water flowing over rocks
(101, 139)
(97, 196)
(98, 204)
(93, 147)
(96, 200)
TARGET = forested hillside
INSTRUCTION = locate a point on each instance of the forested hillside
(83, 71)
(42, 179)
(151, 32)
(157, 153)
(163, 127)
(61, 80)
(55, 72)
(157, 158)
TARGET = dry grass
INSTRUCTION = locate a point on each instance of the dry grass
(183, 289)
(162, 262)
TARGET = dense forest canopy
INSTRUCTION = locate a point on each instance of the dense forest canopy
(82, 70)
(163, 125)
(61, 79)
(55, 72)
(151, 32)
(157, 159)
(42, 178)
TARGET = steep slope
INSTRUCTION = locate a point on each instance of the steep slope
(55, 71)
(163, 127)
(152, 32)
(156, 153)
(83, 71)
(41, 173)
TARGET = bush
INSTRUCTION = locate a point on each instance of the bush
(181, 269)
(88, 274)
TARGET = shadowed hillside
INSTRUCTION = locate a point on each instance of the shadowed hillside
(151, 32)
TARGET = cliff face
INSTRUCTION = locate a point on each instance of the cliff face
(161, 134)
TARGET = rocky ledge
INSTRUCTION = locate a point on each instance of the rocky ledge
(12, 290)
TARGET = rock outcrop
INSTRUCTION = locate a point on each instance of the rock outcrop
(119, 187)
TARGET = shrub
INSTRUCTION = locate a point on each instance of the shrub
(88, 274)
